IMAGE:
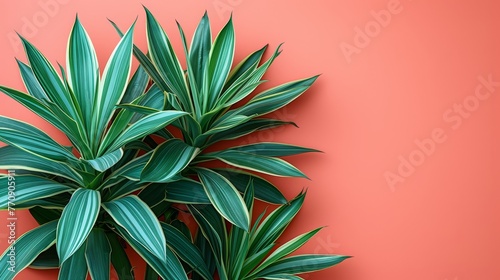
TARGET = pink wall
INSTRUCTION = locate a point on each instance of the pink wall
(413, 77)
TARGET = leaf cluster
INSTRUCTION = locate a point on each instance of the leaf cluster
(138, 150)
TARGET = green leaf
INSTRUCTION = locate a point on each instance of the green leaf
(241, 91)
(194, 89)
(182, 227)
(245, 129)
(274, 224)
(301, 264)
(242, 80)
(79, 137)
(225, 198)
(208, 256)
(153, 194)
(238, 240)
(220, 62)
(83, 70)
(56, 202)
(40, 109)
(126, 117)
(247, 82)
(49, 80)
(77, 220)
(263, 189)
(153, 101)
(247, 65)
(183, 247)
(45, 215)
(93, 180)
(29, 187)
(254, 259)
(27, 247)
(98, 254)
(130, 170)
(164, 133)
(54, 115)
(48, 259)
(166, 62)
(14, 158)
(32, 140)
(200, 50)
(106, 161)
(145, 126)
(30, 82)
(136, 86)
(286, 249)
(154, 98)
(186, 191)
(190, 129)
(271, 149)
(151, 274)
(138, 109)
(258, 163)
(139, 221)
(112, 87)
(75, 267)
(194, 86)
(163, 209)
(283, 276)
(132, 148)
(123, 188)
(168, 159)
(213, 228)
(41, 203)
(275, 98)
(170, 214)
(249, 195)
(227, 124)
(146, 63)
(170, 268)
(119, 258)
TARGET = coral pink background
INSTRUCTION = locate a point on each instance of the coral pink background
(379, 95)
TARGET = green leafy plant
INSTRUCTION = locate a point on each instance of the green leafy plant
(83, 204)
(249, 255)
(139, 148)
(211, 91)
(214, 93)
